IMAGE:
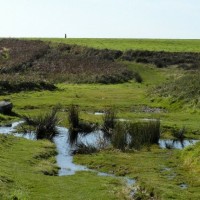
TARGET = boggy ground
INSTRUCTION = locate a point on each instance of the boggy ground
(23, 167)
(160, 172)
(153, 168)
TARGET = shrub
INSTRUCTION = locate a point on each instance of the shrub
(4, 53)
(9, 86)
(138, 78)
(62, 63)
(163, 59)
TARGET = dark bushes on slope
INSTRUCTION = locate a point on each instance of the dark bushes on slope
(17, 86)
(62, 63)
(163, 59)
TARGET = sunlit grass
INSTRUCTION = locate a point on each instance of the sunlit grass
(22, 169)
(137, 44)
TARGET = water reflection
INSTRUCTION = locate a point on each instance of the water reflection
(176, 144)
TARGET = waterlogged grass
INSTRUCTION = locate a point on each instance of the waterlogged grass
(159, 171)
(171, 45)
(22, 169)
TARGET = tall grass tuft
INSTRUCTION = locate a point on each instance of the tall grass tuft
(179, 134)
(73, 117)
(45, 125)
(119, 136)
(144, 133)
(82, 148)
(109, 122)
(76, 126)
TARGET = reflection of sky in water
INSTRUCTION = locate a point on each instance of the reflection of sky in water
(64, 158)
(176, 144)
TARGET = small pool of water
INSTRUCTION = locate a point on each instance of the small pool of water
(9, 129)
(183, 186)
(64, 157)
(176, 144)
(99, 113)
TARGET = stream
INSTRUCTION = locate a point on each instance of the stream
(64, 157)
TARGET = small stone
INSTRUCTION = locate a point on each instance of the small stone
(5, 107)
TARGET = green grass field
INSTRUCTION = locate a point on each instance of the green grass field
(136, 44)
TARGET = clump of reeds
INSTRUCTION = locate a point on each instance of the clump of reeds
(179, 134)
(82, 148)
(73, 117)
(76, 126)
(45, 125)
(144, 133)
(168, 145)
(109, 122)
(119, 136)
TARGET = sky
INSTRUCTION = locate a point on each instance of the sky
(100, 18)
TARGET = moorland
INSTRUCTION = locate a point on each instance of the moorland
(142, 80)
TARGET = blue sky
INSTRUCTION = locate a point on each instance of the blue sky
(100, 18)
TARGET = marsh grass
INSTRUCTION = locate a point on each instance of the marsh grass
(168, 146)
(73, 136)
(73, 117)
(179, 134)
(128, 135)
(77, 126)
(109, 122)
(119, 136)
(82, 148)
(45, 124)
(144, 134)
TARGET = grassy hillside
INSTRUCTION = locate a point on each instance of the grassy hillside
(135, 44)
